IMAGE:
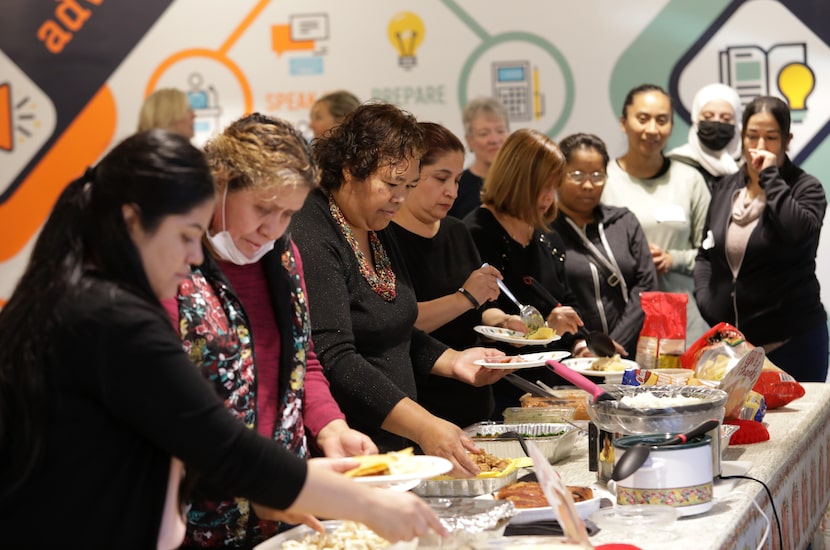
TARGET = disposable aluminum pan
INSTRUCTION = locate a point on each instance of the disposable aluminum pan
(470, 487)
(555, 440)
(472, 523)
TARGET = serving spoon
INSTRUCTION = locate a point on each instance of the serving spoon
(531, 317)
(600, 344)
(636, 455)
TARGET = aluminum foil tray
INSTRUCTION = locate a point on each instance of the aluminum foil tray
(554, 447)
(472, 523)
(469, 487)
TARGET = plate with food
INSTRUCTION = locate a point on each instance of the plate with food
(397, 467)
(540, 337)
(523, 361)
(611, 368)
(495, 473)
(531, 505)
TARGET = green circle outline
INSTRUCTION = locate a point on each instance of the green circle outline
(541, 43)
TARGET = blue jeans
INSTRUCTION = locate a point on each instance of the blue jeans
(805, 356)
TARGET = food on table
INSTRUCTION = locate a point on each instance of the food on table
(541, 333)
(347, 536)
(647, 400)
(608, 364)
(392, 463)
(571, 398)
(529, 494)
(489, 463)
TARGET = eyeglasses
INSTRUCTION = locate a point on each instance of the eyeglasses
(578, 177)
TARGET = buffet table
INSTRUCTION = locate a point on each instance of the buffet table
(794, 464)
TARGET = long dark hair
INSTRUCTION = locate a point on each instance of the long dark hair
(158, 172)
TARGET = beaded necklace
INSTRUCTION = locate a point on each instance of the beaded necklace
(382, 279)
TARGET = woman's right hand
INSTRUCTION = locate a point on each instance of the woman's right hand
(445, 439)
(398, 516)
(482, 283)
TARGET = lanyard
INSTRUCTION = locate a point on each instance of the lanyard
(610, 263)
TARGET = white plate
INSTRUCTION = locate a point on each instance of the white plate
(511, 336)
(582, 365)
(422, 467)
(546, 513)
(527, 360)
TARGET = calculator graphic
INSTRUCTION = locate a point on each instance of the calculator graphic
(512, 85)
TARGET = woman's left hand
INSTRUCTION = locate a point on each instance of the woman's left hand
(464, 369)
(337, 439)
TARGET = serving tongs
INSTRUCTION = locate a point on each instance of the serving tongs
(531, 317)
(580, 381)
(539, 389)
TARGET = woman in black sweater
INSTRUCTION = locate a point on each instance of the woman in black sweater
(100, 408)
(756, 268)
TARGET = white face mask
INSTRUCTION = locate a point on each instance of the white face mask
(227, 250)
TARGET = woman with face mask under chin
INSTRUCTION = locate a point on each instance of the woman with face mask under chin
(714, 146)
(242, 315)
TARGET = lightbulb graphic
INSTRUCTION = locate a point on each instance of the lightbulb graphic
(796, 81)
(406, 32)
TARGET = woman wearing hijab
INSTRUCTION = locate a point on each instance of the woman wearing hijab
(714, 145)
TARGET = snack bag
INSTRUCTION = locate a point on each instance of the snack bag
(663, 336)
(717, 351)
(778, 387)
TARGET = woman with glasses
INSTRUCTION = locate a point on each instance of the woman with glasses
(669, 198)
(608, 261)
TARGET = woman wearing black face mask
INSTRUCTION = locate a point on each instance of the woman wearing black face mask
(715, 136)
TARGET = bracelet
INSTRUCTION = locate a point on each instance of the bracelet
(466, 293)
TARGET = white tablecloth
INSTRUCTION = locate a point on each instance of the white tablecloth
(794, 463)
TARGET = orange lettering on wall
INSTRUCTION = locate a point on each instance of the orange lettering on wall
(70, 17)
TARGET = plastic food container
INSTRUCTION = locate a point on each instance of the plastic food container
(471, 522)
(522, 415)
(567, 396)
(556, 441)
(614, 417)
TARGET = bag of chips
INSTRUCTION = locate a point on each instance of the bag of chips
(717, 351)
(663, 336)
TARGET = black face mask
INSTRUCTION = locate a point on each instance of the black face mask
(715, 135)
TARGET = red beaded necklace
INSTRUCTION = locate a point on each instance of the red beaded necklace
(382, 279)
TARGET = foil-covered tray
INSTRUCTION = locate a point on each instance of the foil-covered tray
(466, 487)
(471, 522)
(554, 440)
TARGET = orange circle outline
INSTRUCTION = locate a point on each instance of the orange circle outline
(210, 54)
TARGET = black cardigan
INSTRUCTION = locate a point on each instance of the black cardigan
(776, 294)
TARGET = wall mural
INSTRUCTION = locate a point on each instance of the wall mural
(73, 73)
